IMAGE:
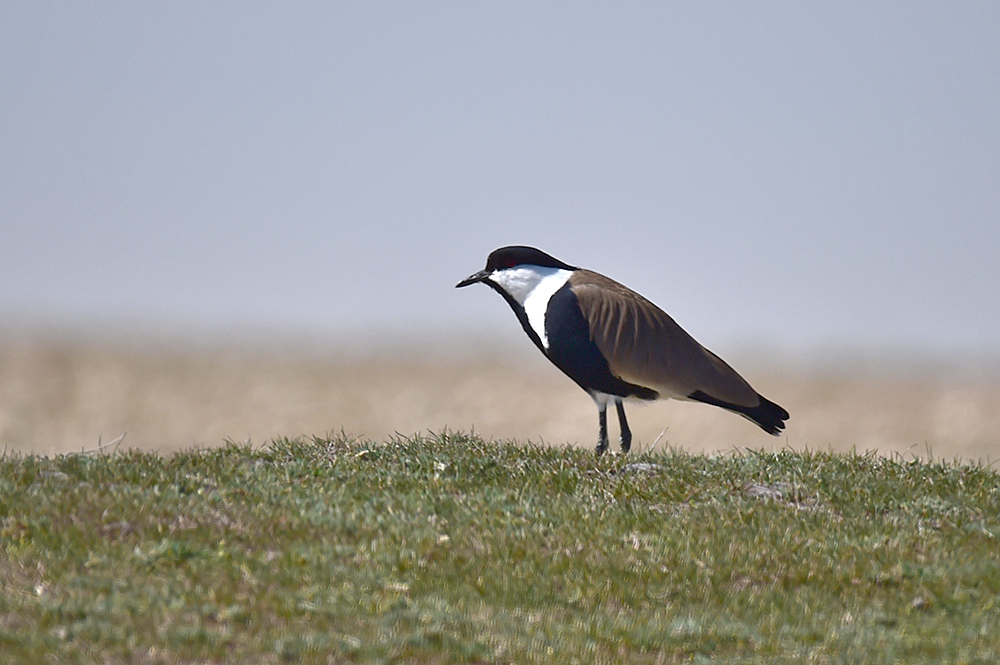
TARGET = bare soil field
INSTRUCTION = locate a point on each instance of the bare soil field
(61, 395)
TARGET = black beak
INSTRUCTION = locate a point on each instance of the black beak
(472, 279)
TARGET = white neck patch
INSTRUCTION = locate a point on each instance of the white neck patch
(532, 287)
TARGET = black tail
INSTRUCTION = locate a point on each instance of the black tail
(768, 415)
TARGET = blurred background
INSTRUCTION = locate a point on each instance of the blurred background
(246, 220)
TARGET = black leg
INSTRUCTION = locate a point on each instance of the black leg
(626, 439)
(602, 435)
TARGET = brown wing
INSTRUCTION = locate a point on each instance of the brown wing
(646, 347)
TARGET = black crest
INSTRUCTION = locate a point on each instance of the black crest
(520, 255)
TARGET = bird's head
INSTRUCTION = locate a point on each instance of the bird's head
(505, 264)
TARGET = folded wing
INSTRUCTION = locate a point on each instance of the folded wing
(645, 346)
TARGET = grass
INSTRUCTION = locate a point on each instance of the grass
(451, 549)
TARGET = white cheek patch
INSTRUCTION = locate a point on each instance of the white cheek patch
(532, 287)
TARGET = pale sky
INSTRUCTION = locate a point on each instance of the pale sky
(782, 173)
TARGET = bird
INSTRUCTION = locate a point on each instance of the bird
(613, 342)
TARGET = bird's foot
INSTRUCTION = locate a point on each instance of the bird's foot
(626, 443)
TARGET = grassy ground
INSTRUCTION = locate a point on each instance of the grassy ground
(449, 549)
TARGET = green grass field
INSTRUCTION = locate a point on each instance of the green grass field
(450, 549)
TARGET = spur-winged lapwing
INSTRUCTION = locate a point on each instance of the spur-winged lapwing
(613, 342)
